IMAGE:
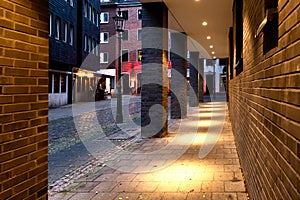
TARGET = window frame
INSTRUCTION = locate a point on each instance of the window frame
(102, 34)
(57, 28)
(102, 60)
(102, 17)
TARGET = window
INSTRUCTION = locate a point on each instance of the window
(86, 9)
(56, 83)
(97, 19)
(139, 56)
(50, 25)
(104, 37)
(57, 29)
(125, 35)
(93, 45)
(65, 32)
(97, 49)
(103, 57)
(71, 35)
(71, 3)
(125, 55)
(90, 12)
(139, 34)
(238, 35)
(86, 48)
(124, 13)
(63, 83)
(104, 17)
(90, 44)
(93, 16)
(271, 27)
(139, 14)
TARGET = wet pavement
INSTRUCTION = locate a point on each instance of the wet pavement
(197, 160)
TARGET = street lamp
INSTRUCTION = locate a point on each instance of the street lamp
(119, 27)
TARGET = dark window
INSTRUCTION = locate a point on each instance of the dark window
(271, 28)
(139, 14)
(125, 55)
(124, 13)
(238, 35)
(50, 83)
(63, 83)
(56, 83)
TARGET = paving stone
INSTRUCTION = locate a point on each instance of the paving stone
(80, 196)
(234, 186)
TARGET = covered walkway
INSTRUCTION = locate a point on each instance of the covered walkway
(184, 165)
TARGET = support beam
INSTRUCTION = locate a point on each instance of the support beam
(154, 92)
(194, 92)
(179, 73)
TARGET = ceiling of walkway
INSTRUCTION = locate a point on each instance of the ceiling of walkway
(188, 15)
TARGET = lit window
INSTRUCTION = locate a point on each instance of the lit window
(103, 57)
(104, 17)
(71, 3)
(57, 22)
(65, 32)
(139, 57)
(104, 37)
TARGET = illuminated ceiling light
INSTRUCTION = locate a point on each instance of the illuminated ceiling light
(213, 52)
(214, 57)
(197, 0)
(204, 23)
(211, 46)
(208, 37)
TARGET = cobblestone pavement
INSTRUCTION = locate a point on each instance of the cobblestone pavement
(149, 170)
(67, 151)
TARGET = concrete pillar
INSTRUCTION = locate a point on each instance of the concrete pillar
(179, 72)
(154, 91)
(201, 70)
(194, 92)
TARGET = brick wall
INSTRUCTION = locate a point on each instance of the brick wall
(264, 105)
(23, 99)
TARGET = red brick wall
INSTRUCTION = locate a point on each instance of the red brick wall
(23, 99)
(265, 105)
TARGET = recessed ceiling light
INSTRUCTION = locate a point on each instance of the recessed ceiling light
(197, 0)
(213, 52)
(208, 37)
(211, 46)
(214, 57)
(204, 23)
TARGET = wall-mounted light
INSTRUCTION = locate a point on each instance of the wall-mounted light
(270, 15)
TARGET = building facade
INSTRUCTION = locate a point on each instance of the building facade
(74, 34)
(130, 43)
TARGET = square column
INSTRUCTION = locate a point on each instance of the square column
(154, 91)
(194, 92)
(201, 71)
(179, 73)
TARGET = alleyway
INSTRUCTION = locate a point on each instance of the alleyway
(197, 160)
